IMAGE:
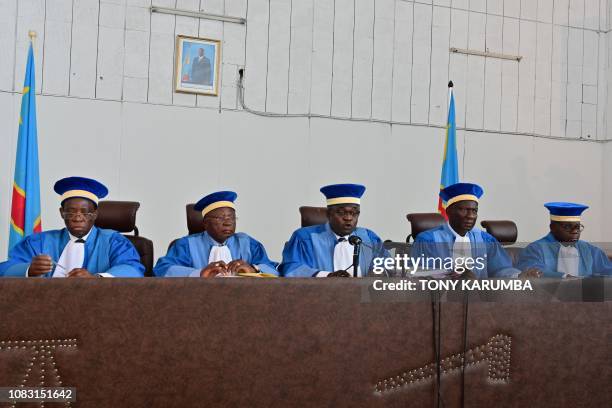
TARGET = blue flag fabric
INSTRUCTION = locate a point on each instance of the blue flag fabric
(25, 205)
(450, 167)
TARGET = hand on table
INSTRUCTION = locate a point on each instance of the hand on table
(239, 266)
(80, 273)
(339, 274)
(213, 269)
(530, 273)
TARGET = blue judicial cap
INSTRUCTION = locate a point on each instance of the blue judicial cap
(81, 187)
(343, 193)
(461, 192)
(216, 200)
(565, 212)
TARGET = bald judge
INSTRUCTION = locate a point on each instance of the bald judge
(219, 250)
(80, 250)
(324, 250)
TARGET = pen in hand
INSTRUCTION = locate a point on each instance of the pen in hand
(41, 265)
(58, 265)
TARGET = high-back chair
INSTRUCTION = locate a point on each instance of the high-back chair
(195, 220)
(121, 217)
(506, 233)
(420, 222)
(313, 215)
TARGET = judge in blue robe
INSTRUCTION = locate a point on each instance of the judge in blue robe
(220, 250)
(474, 253)
(561, 253)
(324, 250)
(80, 249)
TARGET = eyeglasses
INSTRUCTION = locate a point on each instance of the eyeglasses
(352, 214)
(572, 227)
(222, 220)
(71, 215)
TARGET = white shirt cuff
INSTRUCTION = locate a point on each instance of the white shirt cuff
(322, 274)
(104, 275)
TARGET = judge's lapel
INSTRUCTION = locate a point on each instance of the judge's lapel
(323, 244)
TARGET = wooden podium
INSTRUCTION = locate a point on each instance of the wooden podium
(304, 342)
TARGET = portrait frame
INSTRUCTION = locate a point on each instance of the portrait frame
(197, 65)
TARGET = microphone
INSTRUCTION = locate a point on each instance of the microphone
(355, 241)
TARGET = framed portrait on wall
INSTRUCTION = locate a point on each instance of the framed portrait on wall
(197, 65)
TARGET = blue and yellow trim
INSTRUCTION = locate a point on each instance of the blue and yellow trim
(461, 197)
(80, 193)
(218, 204)
(565, 218)
(343, 200)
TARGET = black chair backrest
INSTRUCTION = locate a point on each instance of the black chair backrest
(313, 215)
(121, 217)
(420, 222)
(195, 220)
(504, 231)
(118, 215)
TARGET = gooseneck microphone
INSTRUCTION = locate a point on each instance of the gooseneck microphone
(355, 241)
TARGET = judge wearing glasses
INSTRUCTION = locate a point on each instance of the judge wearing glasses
(80, 250)
(219, 250)
(561, 253)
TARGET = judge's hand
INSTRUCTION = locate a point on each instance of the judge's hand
(80, 273)
(339, 274)
(240, 266)
(213, 269)
(40, 265)
(530, 273)
(467, 274)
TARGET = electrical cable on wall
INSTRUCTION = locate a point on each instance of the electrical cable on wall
(391, 122)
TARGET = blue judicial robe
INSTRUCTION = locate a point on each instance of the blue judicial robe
(439, 241)
(543, 254)
(189, 255)
(311, 250)
(106, 251)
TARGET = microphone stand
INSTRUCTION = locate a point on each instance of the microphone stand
(355, 241)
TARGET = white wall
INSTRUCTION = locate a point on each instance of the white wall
(107, 109)
(165, 157)
(607, 190)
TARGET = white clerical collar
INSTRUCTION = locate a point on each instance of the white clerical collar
(457, 236)
(84, 238)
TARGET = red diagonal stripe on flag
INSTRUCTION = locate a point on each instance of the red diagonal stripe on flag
(18, 209)
(441, 208)
(37, 225)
